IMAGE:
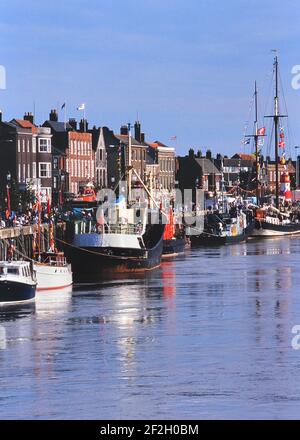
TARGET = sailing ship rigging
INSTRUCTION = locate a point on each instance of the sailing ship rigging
(277, 220)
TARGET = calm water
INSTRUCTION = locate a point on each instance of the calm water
(206, 336)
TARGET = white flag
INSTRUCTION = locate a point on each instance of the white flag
(81, 107)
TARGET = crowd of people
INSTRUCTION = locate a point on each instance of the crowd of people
(29, 217)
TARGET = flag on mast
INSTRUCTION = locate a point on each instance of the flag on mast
(261, 131)
(81, 107)
(63, 106)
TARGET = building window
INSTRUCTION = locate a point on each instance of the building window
(44, 145)
(34, 170)
(19, 172)
(28, 145)
(24, 173)
(23, 145)
(34, 145)
(55, 163)
(45, 169)
(28, 170)
(19, 146)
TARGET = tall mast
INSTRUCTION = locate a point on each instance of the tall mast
(129, 174)
(256, 146)
(256, 136)
(276, 119)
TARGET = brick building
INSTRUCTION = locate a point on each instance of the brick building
(26, 152)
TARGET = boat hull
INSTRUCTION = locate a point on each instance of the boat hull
(53, 277)
(266, 229)
(171, 248)
(92, 262)
(207, 239)
(12, 292)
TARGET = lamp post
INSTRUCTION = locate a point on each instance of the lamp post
(297, 167)
(8, 186)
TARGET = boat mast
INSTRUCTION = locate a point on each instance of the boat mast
(256, 147)
(276, 119)
(129, 174)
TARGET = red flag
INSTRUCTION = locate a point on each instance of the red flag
(281, 144)
(281, 135)
(48, 205)
(261, 131)
(8, 213)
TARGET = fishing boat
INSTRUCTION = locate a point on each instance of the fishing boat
(17, 282)
(51, 267)
(53, 272)
(225, 228)
(174, 240)
(126, 241)
(278, 220)
(97, 248)
(271, 222)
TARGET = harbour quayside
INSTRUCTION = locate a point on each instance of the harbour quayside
(125, 241)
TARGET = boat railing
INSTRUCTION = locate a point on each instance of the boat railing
(88, 227)
(55, 261)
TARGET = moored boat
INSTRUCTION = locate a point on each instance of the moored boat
(174, 240)
(17, 282)
(278, 220)
(53, 272)
(270, 222)
(225, 228)
(96, 250)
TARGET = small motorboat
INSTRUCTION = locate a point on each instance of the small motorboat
(17, 282)
(53, 272)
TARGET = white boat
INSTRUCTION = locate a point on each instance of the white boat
(17, 282)
(53, 272)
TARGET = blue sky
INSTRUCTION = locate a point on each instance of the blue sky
(187, 67)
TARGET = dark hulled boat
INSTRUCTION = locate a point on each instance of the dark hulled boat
(223, 229)
(173, 247)
(174, 241)
(17, 283)
(97, 251)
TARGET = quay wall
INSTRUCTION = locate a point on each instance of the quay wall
(22, 238)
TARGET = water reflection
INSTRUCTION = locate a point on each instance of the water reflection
(205, 336)
(53, 302)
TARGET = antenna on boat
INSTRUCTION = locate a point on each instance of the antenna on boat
(276, 117)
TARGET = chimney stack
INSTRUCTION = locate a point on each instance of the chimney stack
(142, 138)
(28, 117)
(53, 116)
(137, 131)
(83, 125)
(73, 123)
(124, 129)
